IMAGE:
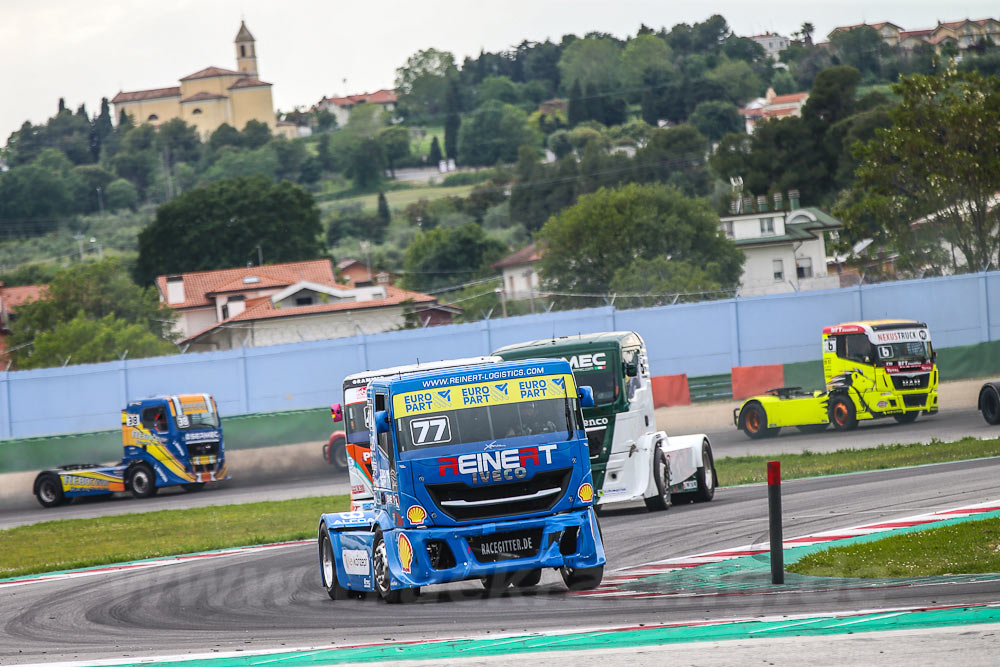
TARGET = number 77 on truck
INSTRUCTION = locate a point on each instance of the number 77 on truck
(481, 473)
(872, 369)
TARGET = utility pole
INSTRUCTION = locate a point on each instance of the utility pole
(100, 201)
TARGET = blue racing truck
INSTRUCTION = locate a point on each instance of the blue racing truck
(167, 441)
(480, 472)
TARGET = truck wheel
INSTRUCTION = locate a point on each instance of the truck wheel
(907, 417)
(582, 579)
(526, 578)
(496, 583)
(843, 416)
(48, 490)
(661, 474)
(142, 481)
(707, 477)
(337, 453)
(383, 585)
(989, 404)
(754, 420)
(328, 567)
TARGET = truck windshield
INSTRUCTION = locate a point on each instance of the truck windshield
(193, 420)
(488, 422)
(908, 351)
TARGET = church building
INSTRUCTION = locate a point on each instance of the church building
(210, 97)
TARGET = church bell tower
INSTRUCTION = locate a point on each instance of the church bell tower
(246, 53)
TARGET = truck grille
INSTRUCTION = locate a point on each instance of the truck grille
(911, 382)
(206, 448)
(595, 441)
(914, 400)
(462, 502)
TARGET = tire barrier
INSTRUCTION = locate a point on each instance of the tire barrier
(752, 380)
(670, 390)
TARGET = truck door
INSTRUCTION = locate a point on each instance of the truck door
(154, 418)
(384, 458)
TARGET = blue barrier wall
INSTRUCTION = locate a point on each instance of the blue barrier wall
(697, 339)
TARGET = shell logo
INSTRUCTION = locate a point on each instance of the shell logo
(405, 552)
(585, 492)
(416, 514)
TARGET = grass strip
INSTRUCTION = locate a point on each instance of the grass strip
(971, 547)
(73, 543)
(753, 469)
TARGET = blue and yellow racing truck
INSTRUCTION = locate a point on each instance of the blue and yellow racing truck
(480, 472)
(168, 441)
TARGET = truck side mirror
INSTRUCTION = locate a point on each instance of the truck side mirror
(337, 412)
(382, 421)
(933, 356)
(631, 369)
(586, 397)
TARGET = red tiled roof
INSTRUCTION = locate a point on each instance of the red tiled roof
(204, 95)
(209, 72)
(788, 99)
(787, 111)
(137, 95)
(383, 96)
(526, 255)
(248, 82)
(199, 284)
(263, 309)
(915, 33)
(12, 297)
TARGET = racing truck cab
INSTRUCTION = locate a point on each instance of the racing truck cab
(872, 369)
(167, 441)
(479, 472)
(630, 458)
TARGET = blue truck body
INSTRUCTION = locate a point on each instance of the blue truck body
(167, 441)
(479, 472)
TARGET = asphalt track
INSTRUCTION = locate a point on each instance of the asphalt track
(272, 600)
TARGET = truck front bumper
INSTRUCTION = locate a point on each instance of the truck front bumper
(420, 557)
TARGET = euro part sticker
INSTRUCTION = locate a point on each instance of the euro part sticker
(356, 562)
(482, 394)
(405, 552)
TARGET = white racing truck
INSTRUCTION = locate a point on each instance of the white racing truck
(630, 459)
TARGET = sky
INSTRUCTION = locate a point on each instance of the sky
(83, 51)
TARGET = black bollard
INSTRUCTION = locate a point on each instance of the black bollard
(774, 521)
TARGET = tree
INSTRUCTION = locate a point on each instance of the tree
(937, 163)
(861, 48)
(715, 119)
(587, 243)
(498, 88)
(86, 341)
(395, 143)
(494, 132)
(676, 155)
(559, 143)
(224, 135)
(291, 155)
(121, 194)
(591, 62)
(663, 281)
(323, 154)
(447, 255)
(645, 56)
(366, 160)
(255, 134)
(452, 118)
(225, 221)
(435, 155)
(383, 214)
(178, 142)
(422, 82)
(738, 80)
(30, 197)
(96, 290)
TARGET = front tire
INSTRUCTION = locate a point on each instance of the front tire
(843, 415)
(707, 477)
(383, 581)
(754, 420)
(989, 404)
(49, 490)
(661, 475)
(142, 481)
(328, 567)
(582, 579)
(526, 578)
(337, 453)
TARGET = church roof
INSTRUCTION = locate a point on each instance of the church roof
(153, 94)
(210, 72)
(247, 82)
(244, 35)
(204, 95)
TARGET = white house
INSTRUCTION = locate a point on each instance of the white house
(520, 272)
(286, 303)
(341, 107)
(785, 246)
(773, 44)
